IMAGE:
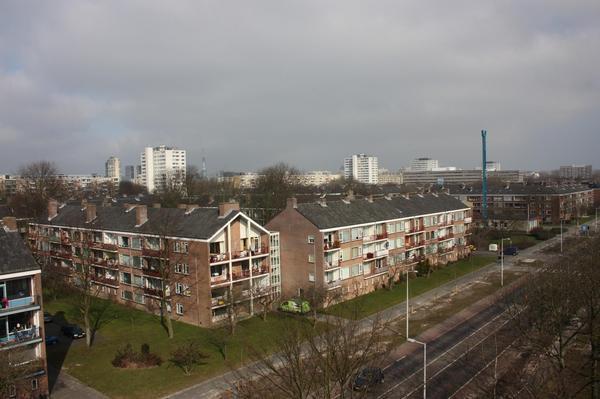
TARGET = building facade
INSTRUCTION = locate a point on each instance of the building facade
(130, 173)
(199, 260)
(525, 206)
(351, 247)
(423, 164)
(458, 176)
(583, 172)
(113, 168)
(161, 167)
(362, 168)
(22, 343)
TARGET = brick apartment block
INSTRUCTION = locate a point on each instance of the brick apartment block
(209, 251)
(351, 246)
(21, 315)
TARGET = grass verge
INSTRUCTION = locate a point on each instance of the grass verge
(381, 299)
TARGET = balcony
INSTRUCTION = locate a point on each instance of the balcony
(24, 336)
(18, 305)
(263, 250)
(333, 284)
(378, 270)
(330, 264)
(155, 292)
(258, 271)
(151, 272)
(331, 245)
(219, 278)
(110, 247)
(107, 262)
(216, 258)
(54, 239)
(375, 237)
(154, 253)
(240, 254)
(468, 219)
(94, 244)
(61, 254)
(217, 301)
(240, 274)
(106, 281)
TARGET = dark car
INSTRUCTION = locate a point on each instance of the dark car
(512, 250)
(51, 340)
(47, 317)
(367, 378)
(73, 331)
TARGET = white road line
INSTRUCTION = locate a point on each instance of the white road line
(457, 359)
(443, 354)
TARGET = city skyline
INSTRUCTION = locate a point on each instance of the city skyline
(394, 80)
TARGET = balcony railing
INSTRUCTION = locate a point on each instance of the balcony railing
(240, 274)
(214, 258)
(151, 272)
(20, 336)
(468, 219)
(110, 247)
(333, 284)
(240, 254)
(257, 271)
(156, 253)
(106, 262)
(19, 303)
(95, 244)
(106, 280)
(220, 278)
(61, 254)
(153, 292)
(327, 245)
(262, 250)
(331, 264)
(217, 301)
(54, 239)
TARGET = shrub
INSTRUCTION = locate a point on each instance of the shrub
(542, 234)
(126, 357)
(187, 356)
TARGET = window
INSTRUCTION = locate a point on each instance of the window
(124, 241)
(153, 243)
(127, 295)
(311, 239)
(136, 261)
(344, 273)
(136, 243)
(182, 268)
(311, 277)
(12, 391)
(344, 235)
(125, 260)
(126, 278)
(179, 308)
(356, 252)
(138, 298)
(34, 384)
(399, 242)
(357, 233)
(138, 281)
(391, 228)
(179, 289)
(311, 258)
(181, 247)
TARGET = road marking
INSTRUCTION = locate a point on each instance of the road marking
(443, 354)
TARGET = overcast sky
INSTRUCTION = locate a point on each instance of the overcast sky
(250, 83)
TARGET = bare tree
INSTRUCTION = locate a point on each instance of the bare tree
(40, 184)
(265, 297)
(234, 300)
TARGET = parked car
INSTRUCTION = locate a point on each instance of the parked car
(295, 306)
(367, 378)
(73, 331)
(51, 340)
(47, 317)
(512, 250)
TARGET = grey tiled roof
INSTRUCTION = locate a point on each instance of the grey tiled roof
(340, 213)
(202, 223)
(519, 189)
(14, 254)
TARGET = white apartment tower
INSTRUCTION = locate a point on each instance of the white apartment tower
(113, 168)
(162, 166)
(362, 168)
(423, 164)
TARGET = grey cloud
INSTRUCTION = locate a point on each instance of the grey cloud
(252, 83)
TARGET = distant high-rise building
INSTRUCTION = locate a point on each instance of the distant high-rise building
(362, 168)
(162, 167)
(130, 172)
(576, 172)
(423, 164)
(113, 168)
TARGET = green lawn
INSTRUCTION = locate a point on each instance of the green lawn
(381, 299)
(521, 241)
(124, 325)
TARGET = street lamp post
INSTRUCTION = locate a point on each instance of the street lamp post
(424, 364)
(407, 306)
(561, 235)
(502, 260)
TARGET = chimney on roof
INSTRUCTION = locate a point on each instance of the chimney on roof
(10, 222)
(291, 202)
(156, 205)
(52, 209)
(322, 202)
(370, 198)
(141, 215)
(350, 195)
(182, 206)
(225, 208)
(83, 203)
(211, 199)
(90, 212)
